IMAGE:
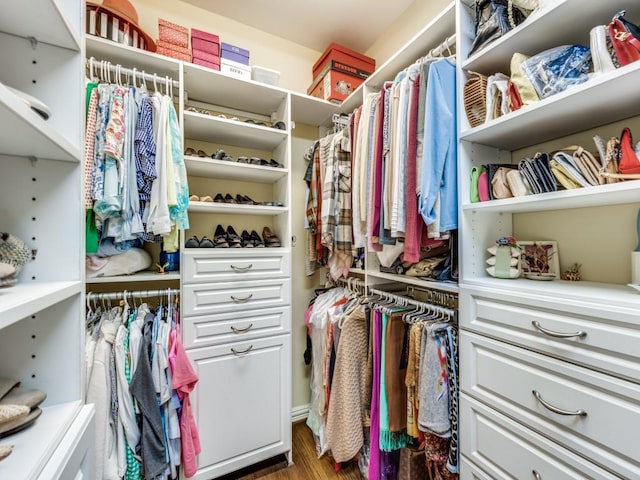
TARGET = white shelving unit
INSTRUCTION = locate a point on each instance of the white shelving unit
(562, 333)
(42, 316)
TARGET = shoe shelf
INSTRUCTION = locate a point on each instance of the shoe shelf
(545, 29)
(35, 445)
(311, 110)
(210, 86)
(418, 282)
(565, 113)
(131, 57)
(48, 21)
(596, 196)
(245, 172)
(24, 133)
(144, 276)
(25, 299)
(208, 128)
(235, 209)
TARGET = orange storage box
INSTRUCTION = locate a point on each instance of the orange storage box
(170, 50)
(336, 86)
(338, 53)
(173, 33)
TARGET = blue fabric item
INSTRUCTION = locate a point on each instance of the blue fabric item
(178, 212)
(439, 172)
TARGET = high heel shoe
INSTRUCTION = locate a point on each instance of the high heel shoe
(257, 241)
(270, 239)
(233, 239)
(220, 238)
(247, 242)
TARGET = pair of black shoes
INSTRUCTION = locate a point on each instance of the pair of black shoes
(230, 239)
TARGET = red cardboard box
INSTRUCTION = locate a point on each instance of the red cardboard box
(173, 33)
(206, 56)
(336, 86)
(343, 55)
(205, 46)
(170, 50)
(209, 37)
(204, 63)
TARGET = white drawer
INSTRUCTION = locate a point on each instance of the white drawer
(593, 339)
(503, 448)
(225, 265)
(205, 330)
(509, 378)
(205, 299)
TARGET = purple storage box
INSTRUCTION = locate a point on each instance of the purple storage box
(233, 53)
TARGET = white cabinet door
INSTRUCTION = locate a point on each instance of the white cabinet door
(505, 449)
(584, 410)
(242, 403)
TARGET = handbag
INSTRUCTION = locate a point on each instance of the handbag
(608, 153)
(475, 99)
(521, 91)
(556, 69)
(412, 464)
(625, 37)
(499, 184)
(599, 42)
(564, 171)
(14, 251)
(497, 96)
(494, 18)
(537, 173)
(586, 163)
(629, 161)
(483, 186)
(475, 174)
(516, 184)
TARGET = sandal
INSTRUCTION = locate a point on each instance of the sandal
(270, 239)
(194, 198)
(206, 198)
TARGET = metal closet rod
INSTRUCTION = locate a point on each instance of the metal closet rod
(134, 72)
(445, 45)
(407, 300)
(132, 294)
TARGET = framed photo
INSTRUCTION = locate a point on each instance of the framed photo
(540, 258)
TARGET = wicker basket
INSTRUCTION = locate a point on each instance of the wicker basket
(475, 99)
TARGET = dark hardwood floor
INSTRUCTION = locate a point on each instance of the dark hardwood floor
(306, 464)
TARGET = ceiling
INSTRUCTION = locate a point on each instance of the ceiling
(356, 24)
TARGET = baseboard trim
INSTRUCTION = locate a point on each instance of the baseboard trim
(299, 413)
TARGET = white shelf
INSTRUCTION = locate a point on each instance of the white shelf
(547, 29)
(42, 19)
(357, 271)
(34, 445)
(25, 299)
(144, 276)
(565, 113)
(618, 296)
(210, 86)
(311, 110)
(213, 129)
(234, 209)
(443, 286)
(25, 133)
(211, 168)
(612, 194)
(131, 57)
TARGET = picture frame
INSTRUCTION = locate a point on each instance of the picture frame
(540, 259)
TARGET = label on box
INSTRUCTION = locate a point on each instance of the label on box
(338, 67)
(336, 86)
(235, 69)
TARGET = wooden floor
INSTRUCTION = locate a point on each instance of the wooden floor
(306, 465)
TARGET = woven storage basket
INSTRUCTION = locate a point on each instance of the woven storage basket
(475, 99)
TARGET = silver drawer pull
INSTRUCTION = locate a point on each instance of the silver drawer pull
(536, 475)
(241, 330)
(241, 269)
(241, 352)
(241, 299)
(551, 333)
(559, 411)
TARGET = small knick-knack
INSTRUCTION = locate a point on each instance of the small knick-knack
(573, 274)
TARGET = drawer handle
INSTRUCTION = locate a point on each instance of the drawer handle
(551, 333)
(241, 352)
(241, 330)
(559, 411)
(536, 475)
(241, 269)
(241, 299)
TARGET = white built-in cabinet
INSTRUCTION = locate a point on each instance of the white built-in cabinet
(42, 316)
(549, 370)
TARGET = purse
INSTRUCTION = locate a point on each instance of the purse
(497, 96)
(556, 69)
(475, 174)
(537, 173)
(475, 99)
(586, 163)
(608, 153)
(599, 42)
(521, 90)
(412, 464)
(516, 184)
(565, 172)
(483, 186)
(494, 18)
(499, 185)
(623, 36)
(629, 162)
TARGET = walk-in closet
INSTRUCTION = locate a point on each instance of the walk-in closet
(286, 240)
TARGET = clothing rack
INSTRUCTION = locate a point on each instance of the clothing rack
(340, 121)
(91, 296)
(103, 69)
(447, 44)
(405, 300)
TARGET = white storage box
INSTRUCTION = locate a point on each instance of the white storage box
(235, 69)
(265, 75)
